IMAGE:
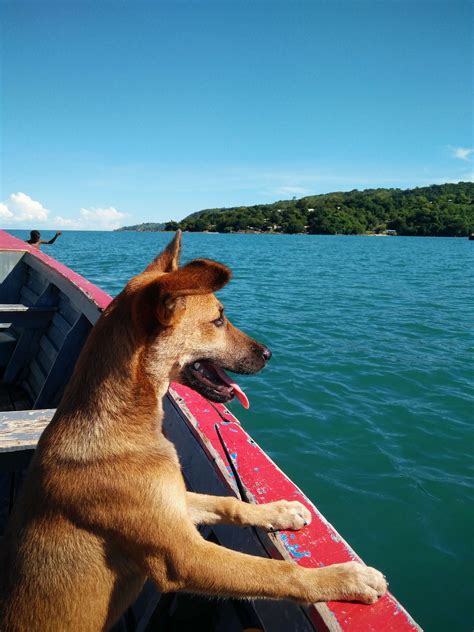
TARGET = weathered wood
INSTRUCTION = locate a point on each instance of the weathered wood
(13, 274)
(63, 367)
(25, 315)
(7, 344)
(27, 296)
(80, 300)
(21, 430)
(28, 342)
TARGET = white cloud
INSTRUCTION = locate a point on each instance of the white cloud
(462, 153)
(101, 218)
(5, 211)
(65, 222)
(20, 207)
(93, 218)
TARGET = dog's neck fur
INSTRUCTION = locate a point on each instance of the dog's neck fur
(121, 395)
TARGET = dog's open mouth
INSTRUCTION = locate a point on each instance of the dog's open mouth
(212, 381)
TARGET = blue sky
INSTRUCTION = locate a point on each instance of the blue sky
(121, 112)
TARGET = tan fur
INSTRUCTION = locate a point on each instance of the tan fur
(104, 505)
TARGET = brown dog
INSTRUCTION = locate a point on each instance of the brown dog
(104, 505)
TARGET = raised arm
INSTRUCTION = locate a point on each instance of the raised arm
(51, 241)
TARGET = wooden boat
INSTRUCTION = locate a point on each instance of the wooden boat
(47, 312)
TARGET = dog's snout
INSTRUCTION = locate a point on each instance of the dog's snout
(266, 354)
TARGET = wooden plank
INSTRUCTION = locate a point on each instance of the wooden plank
(28, 297)
(21, 430)
(35, 384)
(37, 373)
(25, 316)
(80, 292)
(36, 282)
(24, 350)
(55, 335)
(60, 323)
(7, 345)
(6, 308)
(12, 275)
(44, 361)
(66, 310)
(48, 346)
(27, 345)
(66, 359)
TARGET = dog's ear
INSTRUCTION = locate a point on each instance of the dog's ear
(163, 298)
(200, 276)
(168, 260)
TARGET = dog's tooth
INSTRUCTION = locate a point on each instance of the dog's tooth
(197, 365)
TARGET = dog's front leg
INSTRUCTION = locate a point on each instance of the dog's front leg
(198, 566)
(282, 514)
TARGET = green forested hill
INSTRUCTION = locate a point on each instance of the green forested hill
(441, 210)
(149, 227)
(436, 210)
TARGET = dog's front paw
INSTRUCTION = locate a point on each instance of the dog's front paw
(352, 581)
(286, 514)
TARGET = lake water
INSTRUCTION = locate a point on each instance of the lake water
(367, 403)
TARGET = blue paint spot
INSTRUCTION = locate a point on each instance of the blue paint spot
(293, 548)
(233, 429)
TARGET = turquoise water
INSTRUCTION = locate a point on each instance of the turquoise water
(367, 402)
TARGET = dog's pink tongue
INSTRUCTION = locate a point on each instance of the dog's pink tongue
(241, 396)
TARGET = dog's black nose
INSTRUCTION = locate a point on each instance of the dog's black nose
(266, 353)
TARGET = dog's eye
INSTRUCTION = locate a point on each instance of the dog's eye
(219, 321)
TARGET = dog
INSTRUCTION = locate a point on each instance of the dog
(104, 504)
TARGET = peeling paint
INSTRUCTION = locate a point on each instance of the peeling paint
(293, 548)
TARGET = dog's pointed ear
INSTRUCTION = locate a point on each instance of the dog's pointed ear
(163, 298)
(200, 276)
(168, 260)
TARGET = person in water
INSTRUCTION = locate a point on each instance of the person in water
(36, 241)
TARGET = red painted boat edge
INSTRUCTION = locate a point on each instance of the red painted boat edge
(318, 544)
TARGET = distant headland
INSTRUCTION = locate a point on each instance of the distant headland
(444, 210)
